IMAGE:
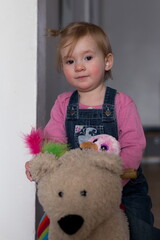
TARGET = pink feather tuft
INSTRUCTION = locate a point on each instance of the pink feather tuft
(34, 140)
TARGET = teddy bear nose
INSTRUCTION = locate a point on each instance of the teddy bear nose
(70, 224)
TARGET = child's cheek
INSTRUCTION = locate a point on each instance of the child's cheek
(96, 70)
(67, 74)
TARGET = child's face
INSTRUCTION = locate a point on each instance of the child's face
(85, 68)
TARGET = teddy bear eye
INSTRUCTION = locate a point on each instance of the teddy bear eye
(95, 140)
(104, 147)
(60, 194)
(83, 193)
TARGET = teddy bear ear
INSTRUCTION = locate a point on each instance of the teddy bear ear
(42, 164)
(108, 161)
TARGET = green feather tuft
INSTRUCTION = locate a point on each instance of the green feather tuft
(58, 149)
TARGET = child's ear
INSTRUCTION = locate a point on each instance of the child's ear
(42, 164)
(109, 61)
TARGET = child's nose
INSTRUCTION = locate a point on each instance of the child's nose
(79, 66)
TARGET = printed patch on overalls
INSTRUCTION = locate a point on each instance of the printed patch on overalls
(84, 132)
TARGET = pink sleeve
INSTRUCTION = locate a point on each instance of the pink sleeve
(55, 128)
(130, 130)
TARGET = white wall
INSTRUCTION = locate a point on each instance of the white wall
(18, 46)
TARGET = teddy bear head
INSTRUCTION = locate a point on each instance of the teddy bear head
(78, 190)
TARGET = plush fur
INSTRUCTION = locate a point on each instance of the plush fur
(81, 193)
(34, 140)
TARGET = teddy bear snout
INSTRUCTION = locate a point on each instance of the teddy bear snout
(70, 224)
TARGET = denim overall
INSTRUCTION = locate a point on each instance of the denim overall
(82, 124)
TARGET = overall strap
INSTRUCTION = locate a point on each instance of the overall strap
(72, 109)
(74, 98)
(110, 96)
(108, 109)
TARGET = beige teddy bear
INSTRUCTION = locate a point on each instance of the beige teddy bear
(81, 194)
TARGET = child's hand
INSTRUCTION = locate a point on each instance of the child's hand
(28, 174)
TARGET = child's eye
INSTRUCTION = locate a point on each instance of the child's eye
(88, 58)
(70, 61)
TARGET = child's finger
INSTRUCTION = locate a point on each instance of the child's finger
(28, 174)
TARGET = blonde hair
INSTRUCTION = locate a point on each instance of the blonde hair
(70, 35)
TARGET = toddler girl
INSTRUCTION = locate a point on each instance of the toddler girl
(86, 59)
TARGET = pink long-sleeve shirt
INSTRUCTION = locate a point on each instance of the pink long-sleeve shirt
(130, 131)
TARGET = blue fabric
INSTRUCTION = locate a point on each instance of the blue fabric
(81, 124)
(141, 230)
(46, 237)
(138, 209)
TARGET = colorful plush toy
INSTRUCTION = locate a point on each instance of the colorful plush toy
(37, 144)
(102, 142)
(80, 191)
(109, 144)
